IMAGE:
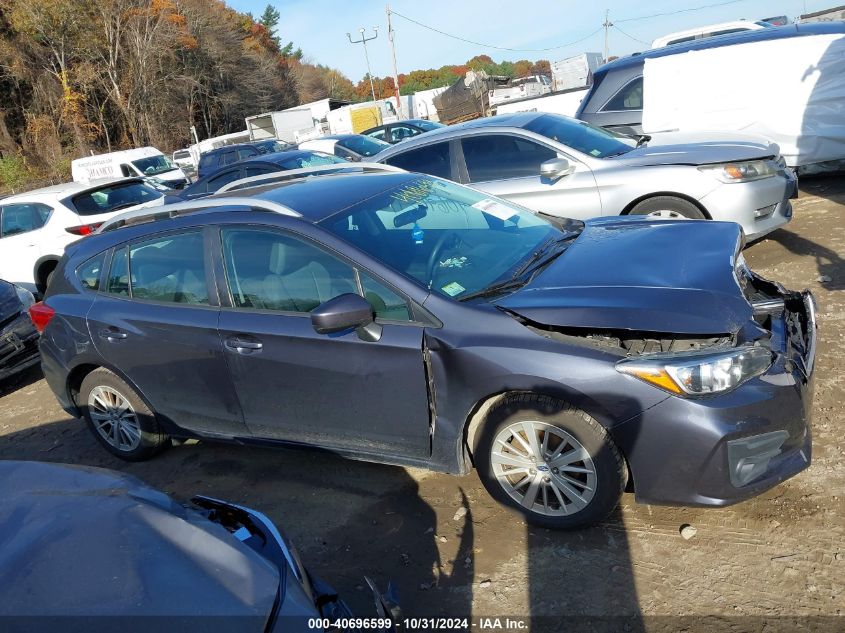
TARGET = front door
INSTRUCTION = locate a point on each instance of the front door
(333, 391)
(156, 323)
(508, 166)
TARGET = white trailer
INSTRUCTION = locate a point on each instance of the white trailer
(281, 125)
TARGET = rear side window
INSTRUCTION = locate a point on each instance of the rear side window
(207, 161)
(430, 159)
(246, 152)
(169, 269)
(502, 156)
(113, 198)
(117, 282)
(630, 97)
(90, 272)
(227, 158)
(22, 218)
(223, 179)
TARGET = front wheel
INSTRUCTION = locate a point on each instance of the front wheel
(668, 208)
(119, 418)
(549, 461)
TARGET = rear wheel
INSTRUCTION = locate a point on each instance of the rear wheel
(668, 207)
(118, 418)
(549, 461)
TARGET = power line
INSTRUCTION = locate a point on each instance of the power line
(636, 39)
(658, 15)
(501, 48)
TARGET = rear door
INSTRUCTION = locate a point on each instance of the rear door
(156, 322)
(508, 165)
(334, 391)
(19, 240)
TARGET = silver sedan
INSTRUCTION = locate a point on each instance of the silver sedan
(568, 168)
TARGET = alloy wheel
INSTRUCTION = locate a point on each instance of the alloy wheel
(543, 468)
(114, 418)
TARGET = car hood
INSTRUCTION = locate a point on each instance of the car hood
(81, 541)
(640, 274)
(700, 148)
(10, 304)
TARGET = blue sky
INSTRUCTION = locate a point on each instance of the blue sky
(319, 27)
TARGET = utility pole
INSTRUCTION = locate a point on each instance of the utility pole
(364, 39)
(607, 24)
(390, 35)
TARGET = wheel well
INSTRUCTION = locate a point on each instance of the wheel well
(75, 378)
(479, 414)
(672, 194)
(42, 271)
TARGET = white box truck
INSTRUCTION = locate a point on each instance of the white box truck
(146, 162)
(282, 125)
(575, 72)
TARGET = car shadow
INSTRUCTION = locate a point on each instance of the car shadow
(27, 377)
(830, 266)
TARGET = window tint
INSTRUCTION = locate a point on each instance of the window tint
(206, 161)
(386, 303)
(401, 132)
(89, 272)
(114, 198)
(227, 158)
(19, 218)
(42, 212)
(630, 97)
(270, 271)
(126, 171)
(117, 282)
(431, 159)
(258, 171)
(246, 152)
(169, 269)
(223, 179)
(378, 135)
(499, 156)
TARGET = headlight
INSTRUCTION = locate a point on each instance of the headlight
(745, 171)
(25, 297)
(701, 374)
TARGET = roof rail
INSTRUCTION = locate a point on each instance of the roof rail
(151, 214)
(304, 172)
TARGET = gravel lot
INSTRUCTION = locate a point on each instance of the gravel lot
(782, 554)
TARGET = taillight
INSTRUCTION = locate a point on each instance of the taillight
(85, 229)
(40, 313)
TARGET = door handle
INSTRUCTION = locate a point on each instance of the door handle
(242, 346)
(112, 335)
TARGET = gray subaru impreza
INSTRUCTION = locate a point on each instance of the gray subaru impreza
(401, 318)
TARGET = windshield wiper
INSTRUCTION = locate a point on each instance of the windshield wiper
(525, 272)
(495, 289)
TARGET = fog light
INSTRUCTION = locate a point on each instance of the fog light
(749, 457)
(765, 212)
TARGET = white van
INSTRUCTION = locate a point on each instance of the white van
(146, 162)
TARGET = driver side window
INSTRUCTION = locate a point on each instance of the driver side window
(502, 156)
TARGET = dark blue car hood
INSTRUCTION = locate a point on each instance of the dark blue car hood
(642, 275)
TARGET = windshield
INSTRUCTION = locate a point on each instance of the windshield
(114, 198)
(581, 136)
(153, 165)
(309, 159)
(449, 238)
(363, 145)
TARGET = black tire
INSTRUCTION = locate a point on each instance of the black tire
(672, 204)
(150, 441)
(608, 478)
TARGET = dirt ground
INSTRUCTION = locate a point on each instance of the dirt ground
(748, 566)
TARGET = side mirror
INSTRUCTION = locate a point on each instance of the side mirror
(556, 168)
(345, 312)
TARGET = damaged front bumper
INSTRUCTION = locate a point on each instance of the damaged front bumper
(722, 449)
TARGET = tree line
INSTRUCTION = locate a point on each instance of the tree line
(99, 75)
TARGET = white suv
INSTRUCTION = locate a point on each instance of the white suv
(36, 226)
